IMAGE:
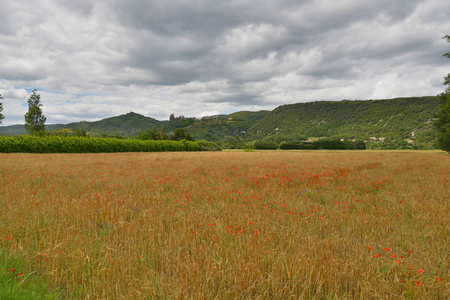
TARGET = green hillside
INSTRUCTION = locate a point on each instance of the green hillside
(215, 128)
(398, 118)
(129, 124)
(394, 118)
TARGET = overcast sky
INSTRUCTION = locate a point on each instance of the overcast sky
(96, 59)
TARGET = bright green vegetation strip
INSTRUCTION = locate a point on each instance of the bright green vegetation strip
(18, 282)
(56, 144)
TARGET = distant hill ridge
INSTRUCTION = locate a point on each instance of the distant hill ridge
(358, 119)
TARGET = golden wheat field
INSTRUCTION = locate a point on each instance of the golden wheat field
(230, 225)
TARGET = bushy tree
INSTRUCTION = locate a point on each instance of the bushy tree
(265, 145)
(181, 134)
(1, 109)
(153, 134)
(447, 78)
(80, 133)
(442, 123)
(34, 119)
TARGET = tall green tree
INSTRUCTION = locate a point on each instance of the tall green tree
(447, 78)
(443, 119)
(1, 109)
(153, 134)
(181, 134)
(34, 119)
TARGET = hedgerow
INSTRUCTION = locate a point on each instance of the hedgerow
(58, 144)
(208, 146)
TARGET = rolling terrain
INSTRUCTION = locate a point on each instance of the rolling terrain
(398, 118)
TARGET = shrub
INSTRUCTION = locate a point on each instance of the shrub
(208, 146)
(59, 144)
(296, 145)
(329, 144)
(265, 145)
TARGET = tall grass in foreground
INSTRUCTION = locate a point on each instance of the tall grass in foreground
(231, 225)
(14, 284)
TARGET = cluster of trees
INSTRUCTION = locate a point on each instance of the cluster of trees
(326, 144)
(317, 145)
(237, 142)
(158, 134)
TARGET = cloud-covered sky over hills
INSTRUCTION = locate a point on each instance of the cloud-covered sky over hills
(96, 59)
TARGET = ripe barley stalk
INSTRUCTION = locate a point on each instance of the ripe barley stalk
(258, 225)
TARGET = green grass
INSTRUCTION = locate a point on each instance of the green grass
(17, 281)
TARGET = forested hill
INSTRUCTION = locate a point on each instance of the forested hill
(398, 118)
(129, 124)
(392, 118)
(395, 118)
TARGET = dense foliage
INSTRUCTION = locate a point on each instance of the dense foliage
(337, 144)
(153, 134)
(264, 145)
(181, 134)
(34, 119)
(208, 146)
(59, 144)
(324, 144)
(396, 118)
(1, 109)
(442, 123)
(218, 128)
(130, 124)
(296, 146)
(447, 78)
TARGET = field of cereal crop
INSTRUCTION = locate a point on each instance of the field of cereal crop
(228, 225)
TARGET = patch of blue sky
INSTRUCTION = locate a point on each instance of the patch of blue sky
(78, 96)
(233, 110)
(70, 102)
(39, 89)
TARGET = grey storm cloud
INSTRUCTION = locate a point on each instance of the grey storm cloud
(95, 59)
